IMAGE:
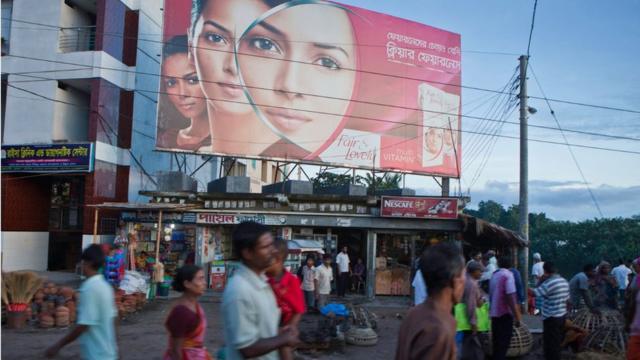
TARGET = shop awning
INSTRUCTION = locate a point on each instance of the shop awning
(145, 206)
(306, 245)
(481, 233)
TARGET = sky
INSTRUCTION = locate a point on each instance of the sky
(582, 50)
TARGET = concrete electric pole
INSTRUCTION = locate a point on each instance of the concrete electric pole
(523, 209)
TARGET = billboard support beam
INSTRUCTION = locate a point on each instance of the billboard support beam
(445, 186)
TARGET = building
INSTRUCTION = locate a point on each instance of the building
(83, 73)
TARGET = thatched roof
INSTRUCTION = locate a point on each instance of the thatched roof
(481, 233)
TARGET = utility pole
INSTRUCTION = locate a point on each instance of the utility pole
(523, 209)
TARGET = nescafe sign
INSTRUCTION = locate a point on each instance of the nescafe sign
(419, 207)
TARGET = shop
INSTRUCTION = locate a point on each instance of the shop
(146, 233)
(386, 234)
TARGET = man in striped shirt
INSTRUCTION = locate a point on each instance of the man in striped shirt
(554, 290)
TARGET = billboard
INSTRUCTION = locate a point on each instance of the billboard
(419, 207)
(309, 81)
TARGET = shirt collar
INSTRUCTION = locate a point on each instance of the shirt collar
(257, 281)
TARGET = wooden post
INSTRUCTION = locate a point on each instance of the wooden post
(95, 225)
(371, 265)
(158, 236)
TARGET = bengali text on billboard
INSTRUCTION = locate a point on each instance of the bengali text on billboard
(309, 81)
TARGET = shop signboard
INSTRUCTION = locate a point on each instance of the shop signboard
(231, 219)
(48, 158)
(308, 92)
(419, 207)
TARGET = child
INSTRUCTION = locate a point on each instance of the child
(308, 285)
(286, 287)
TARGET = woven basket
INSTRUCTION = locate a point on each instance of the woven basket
(521, 342)
(608, 339)
(592, 322)
(361, 337)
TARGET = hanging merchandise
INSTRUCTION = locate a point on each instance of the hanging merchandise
(158, 273)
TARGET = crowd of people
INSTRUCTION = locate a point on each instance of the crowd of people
(459, 301)
(491, 299)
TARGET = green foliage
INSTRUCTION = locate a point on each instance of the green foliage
(384, 182)
(570, 245)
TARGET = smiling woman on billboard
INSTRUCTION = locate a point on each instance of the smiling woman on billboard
(235, 127)
(299, 73)
(292, 71)
(181, 86)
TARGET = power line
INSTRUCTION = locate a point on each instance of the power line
(380, 120)
(533, 22)
(573, 156)
(605, 107)
(26, 74)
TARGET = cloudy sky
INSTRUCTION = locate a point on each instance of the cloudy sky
(582, 50)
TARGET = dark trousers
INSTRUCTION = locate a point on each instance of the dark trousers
(471, 347)
(552, 337)
(501, 330)
(343, 281)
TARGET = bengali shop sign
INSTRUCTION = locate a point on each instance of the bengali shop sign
(417, 207)
(310, 81)
(48, 158)
(232, 219)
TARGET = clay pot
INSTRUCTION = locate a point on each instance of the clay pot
(16, 319)
(46, 321)
(67, 293)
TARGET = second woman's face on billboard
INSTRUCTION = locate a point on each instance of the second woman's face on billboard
(182, 85)
(298, 67)
(220, 24)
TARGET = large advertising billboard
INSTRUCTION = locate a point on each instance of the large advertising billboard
(309, 81)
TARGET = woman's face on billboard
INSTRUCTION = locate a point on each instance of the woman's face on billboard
(298, 67)
(433, 141)
(221, 22)
(182, 86)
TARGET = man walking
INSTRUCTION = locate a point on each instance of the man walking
(97, 313)
(621, 273)
(579, 288)
(249, 309)
(343, 261)
(428, 332)
(324, 276)
(504, 309)
(554, 291)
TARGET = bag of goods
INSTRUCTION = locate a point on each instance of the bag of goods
(46, 321)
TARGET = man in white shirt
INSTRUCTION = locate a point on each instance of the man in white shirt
(419, 288)
(249, 309)
(343, 269)
(324, 276)
(538, 267)
(621, 273)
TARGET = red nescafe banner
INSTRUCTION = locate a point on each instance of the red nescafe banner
(419, 207)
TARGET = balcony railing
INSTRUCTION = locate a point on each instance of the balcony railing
(82, 38)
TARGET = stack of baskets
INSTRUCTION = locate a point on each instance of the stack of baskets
(592, 322)
(521, 342)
